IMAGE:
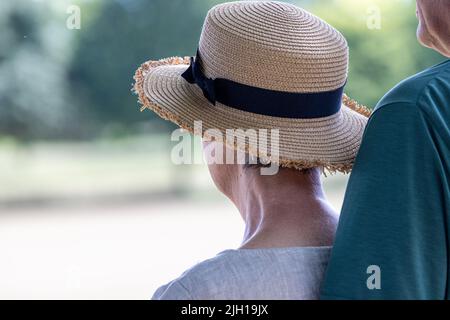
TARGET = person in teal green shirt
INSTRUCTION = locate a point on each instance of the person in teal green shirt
(393, 239)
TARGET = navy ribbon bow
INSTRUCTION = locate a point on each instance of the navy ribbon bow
(194, 75)
(263, 101)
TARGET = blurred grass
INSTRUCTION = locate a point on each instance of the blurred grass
(125, 169)
(45, 171)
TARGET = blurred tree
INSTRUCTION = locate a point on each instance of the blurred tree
(125, 34)
(61, 83)
(128, 32)
(33, 60)
(379, 58)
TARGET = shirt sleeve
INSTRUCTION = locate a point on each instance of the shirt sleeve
(391, 240)
(173, 291)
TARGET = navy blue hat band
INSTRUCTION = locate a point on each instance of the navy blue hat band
(263, 101)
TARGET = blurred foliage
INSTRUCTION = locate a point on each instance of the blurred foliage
(128, 33)
(33, 64)
(379, 58)
(59, 83)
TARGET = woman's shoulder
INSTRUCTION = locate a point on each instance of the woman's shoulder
(237, 273)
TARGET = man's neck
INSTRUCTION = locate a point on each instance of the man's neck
(286, 210)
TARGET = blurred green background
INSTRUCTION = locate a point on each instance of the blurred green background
(59, 84)
(86, 178)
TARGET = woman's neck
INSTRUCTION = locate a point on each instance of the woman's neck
(286, 210)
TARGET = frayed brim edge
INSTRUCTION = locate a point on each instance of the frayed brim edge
(138, 89)
(355, 106)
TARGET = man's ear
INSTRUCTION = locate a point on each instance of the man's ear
(436, 34)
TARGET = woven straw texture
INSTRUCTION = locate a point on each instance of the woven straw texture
(274, 46)
(269, 45)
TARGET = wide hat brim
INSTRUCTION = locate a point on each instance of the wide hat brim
(330, 143)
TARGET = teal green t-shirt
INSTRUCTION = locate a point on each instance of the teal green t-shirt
(393, 236)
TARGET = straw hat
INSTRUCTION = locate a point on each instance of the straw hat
(263, 65)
